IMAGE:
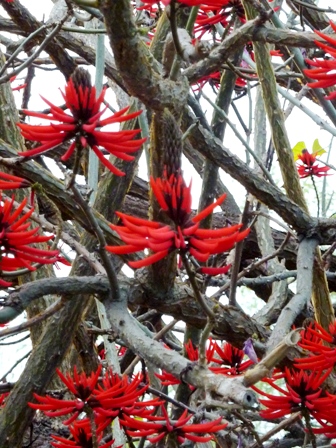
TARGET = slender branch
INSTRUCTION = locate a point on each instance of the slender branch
(237, 257)
(241, 139)
(33, 321)
(279, 427)
(251, 267)
(3, 378)
(28, 61)
(305, 263)
(198, 296)
(102, 243)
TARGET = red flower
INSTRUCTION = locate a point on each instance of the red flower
(3, 398)
(15, 240)
(80, 386)
(82, 437)
(303, 394)
(231, 357)
(167, 379)
(307, 166)
(313, 339)
(11, 182)
(82, 125)
(163, 426)
(183, 235)
(116, 395)
(13, 78)
(324, 72)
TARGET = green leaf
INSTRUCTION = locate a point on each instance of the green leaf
(317, 148)
(298, 148)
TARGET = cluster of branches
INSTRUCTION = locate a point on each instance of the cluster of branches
(163, 60)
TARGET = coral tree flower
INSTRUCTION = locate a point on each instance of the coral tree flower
(81, 438)
(15, 239)
(80, 386)
(231, 358)
(321, 344)
(184, 234)
(11, 182)
(324, 73)
(307, 166)
(163, 426)
(303, 393)
(114, 396)
(82, 126)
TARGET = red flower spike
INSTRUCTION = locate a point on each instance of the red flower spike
(304, 393)
(307, 166)
(83, 125)
(174, 197)
(81, 436)
(11, 182)
(324, 71)
(322, 344)
(163, 426)
(15, 240)
(230, 357)
(80, 386)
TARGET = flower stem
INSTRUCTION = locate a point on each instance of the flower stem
(200, 299)
(316, 194)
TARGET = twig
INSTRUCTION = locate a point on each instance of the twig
(284, 424)
(28, 61)
(241, 139)
(316, 195)
(251, 267)
(21, 48)
(15, 342)
(203, 341)
(198, 296)
(102, 243)
(3, 378)
(314, 7)
(52, 309)
(173, 27)
(237, 258)
(305, 263)
(277, 221)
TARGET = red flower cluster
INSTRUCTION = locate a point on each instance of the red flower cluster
(158, 428)
(303, 393)
(82, 126)
(324, 72)
(321, 344)
(230, 357)
(183, 235)
(11, 182)
(111, 397)
(15, 239)
(81, 434)
(307, 166)
(116, 395)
